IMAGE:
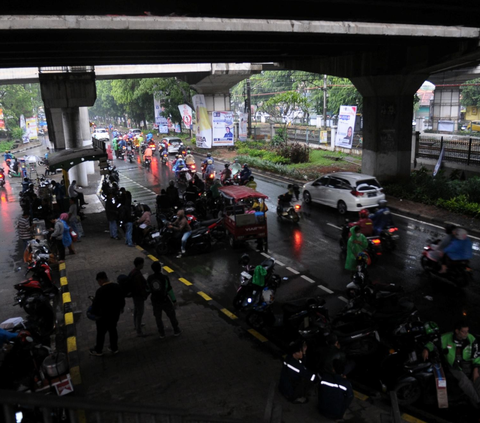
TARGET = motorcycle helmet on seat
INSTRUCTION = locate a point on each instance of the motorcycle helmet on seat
(363, 259)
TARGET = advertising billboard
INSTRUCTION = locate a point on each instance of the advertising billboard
(203, 127)
(346, 125)
(222, 128)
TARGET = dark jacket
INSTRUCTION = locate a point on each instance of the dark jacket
(293, 374)
(334, 395)
(139, 284)
(160, 288)
(109, 301)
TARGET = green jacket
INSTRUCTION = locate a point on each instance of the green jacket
(114, 144)
(449, 349)
(355, 245)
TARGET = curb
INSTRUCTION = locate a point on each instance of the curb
(39, 144)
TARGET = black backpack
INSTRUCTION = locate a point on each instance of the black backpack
(157, 286)
(126, 283)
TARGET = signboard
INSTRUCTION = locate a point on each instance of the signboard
(323, 137)
(203, 127)
(242, 126)
(222, 128)
(346, 125)
(186, 112)
(2, 120)
(160, 120)
(32, 132)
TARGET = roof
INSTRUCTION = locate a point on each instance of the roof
(350, 175)
(238, 192)
(66, 159)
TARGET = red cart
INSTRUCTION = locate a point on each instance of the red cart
(242, 216)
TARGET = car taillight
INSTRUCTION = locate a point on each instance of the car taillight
(356, 193)
(298, 206)
(391, 230)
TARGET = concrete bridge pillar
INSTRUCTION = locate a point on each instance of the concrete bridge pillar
(387, 123)
(446, 107)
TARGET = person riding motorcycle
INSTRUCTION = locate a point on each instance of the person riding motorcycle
(226, 173)
(205, 163)
(364, 222)
(179, 165)
(245, 174)
(182, 150)
(284, 200)
(382, 218)
(459, 248)
(236, 167)
(189, 159)
(148, 153)
(251, 183)
(209, 170)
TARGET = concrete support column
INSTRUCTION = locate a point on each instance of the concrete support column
(387, 123)
(55, 127)
(86, 137)
(446, 106)
(73, 140)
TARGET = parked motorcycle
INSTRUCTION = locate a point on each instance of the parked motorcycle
(41, 315)
(458, 272)
(40, 281)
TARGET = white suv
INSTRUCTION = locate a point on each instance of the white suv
(346, 191)
(101, 134)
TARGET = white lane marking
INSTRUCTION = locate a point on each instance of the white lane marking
(334, 226)
(280, 263)
(292, 270)
(265, 255)
(343, 299)
(307, 279)
(329, 291)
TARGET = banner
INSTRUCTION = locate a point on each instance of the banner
(23, 124)
(160, 120)
(186, 112)
(346, 124)
(203, 130)
(2, 120)
(31, 132)
(242, 126)
(439, 161)
(222, 128)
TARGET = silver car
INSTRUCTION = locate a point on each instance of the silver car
(346, 191)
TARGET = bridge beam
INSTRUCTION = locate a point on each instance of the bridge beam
(387, 123)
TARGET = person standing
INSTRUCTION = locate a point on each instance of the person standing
(126, 218)
(356, 244)
(73, 219)
(139, 293)
(112, 214)
(57, 235)
(163, 299)
(67, 238)
(24, 226)
(107, 306)
(77, 195)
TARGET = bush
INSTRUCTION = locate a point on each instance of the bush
(296, 153)
(16, 133)
(460, 204)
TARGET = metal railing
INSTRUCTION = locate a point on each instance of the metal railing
(460, 150)
(49, 409)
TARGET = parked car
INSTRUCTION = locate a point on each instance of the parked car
(101, 134)
(346, 191)
(474, 125)
(173, 144)
(136, 131)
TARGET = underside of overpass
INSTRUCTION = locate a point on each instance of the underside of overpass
(387, 49)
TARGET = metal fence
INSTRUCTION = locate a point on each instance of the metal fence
(53, 409)
(465, 151)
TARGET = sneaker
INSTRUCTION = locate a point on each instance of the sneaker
(113, 351)
(177, 332)
(183, 251)
(179, 255)
(95, 353)
(161, 335)
(301, 400)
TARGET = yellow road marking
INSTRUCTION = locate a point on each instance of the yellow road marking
(257, 335)
(71, 344)
(69, 318)
(360, 396)
(61, 266)
(167, 269)
(229, 314)
(138, 247)
(153, 258)
(66, 297)
(204, 296)
(81, 416)
(63, 281)
(183, 280)
(411, 419)
(75, 375)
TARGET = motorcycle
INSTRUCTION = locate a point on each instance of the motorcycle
(181, 175)
(288, 211)
(209, 179)
(41, 315)
(165, 157)
(147, 163)
(192, 168)
(152, 146)
(374, 248)
(215, 226)
(458, 272)
(2, 177)
(130, 156)
(389, 237)
(40, 281)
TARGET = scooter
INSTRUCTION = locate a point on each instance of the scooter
(147, 163)
(130, 156)
(199, 240)
(40, 311)
(165, 157)
(288, 211)
(458, 272)
(41, 280)
(2, 177)
(374, 248)
(389, 237)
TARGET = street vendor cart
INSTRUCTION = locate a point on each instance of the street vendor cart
(244, 215)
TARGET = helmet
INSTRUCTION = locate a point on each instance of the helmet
(363, 259)
(235, 161)
(245, 165)
(363, 214)
(244, 260)
(382, 204)
(188, 151)
(449, 228)
(209, 161)
(227, 165)
(178, 156)
(209, 155)
(290, 186)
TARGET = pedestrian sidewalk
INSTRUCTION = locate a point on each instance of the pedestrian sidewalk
(216, 367)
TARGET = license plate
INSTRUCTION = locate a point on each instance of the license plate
(156, 234)
(372, 194)
(246, 275)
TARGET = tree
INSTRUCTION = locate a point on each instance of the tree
(105, 105)
(138, 104)
(470, 92)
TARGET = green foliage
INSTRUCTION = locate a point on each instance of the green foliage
(279, 169)
(280, 136)
(471, 93)
(295, 153)
(16, 133)
(17, 100)
(6, 145)
(460, 204)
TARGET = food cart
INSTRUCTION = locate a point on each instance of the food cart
(242, 221)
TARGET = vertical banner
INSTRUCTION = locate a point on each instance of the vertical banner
(2, 120)
(160, 120)
(32, 132)
(186, 112)
(439, 161)
(222, 128)
(23, 124)
(346, 125)
(242, 126)
(203, 130)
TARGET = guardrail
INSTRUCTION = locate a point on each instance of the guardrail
(461, 150)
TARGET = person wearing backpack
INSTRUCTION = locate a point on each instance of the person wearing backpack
(163, 299)
(139, 293)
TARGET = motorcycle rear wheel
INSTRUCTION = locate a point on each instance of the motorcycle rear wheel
(408, 392)
(161, 249)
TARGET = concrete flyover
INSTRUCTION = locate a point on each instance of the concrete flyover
(387, 56)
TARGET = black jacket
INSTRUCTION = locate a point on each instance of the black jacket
(109, 301)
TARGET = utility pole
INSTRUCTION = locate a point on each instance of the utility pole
(249, 109)
(324, 101)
